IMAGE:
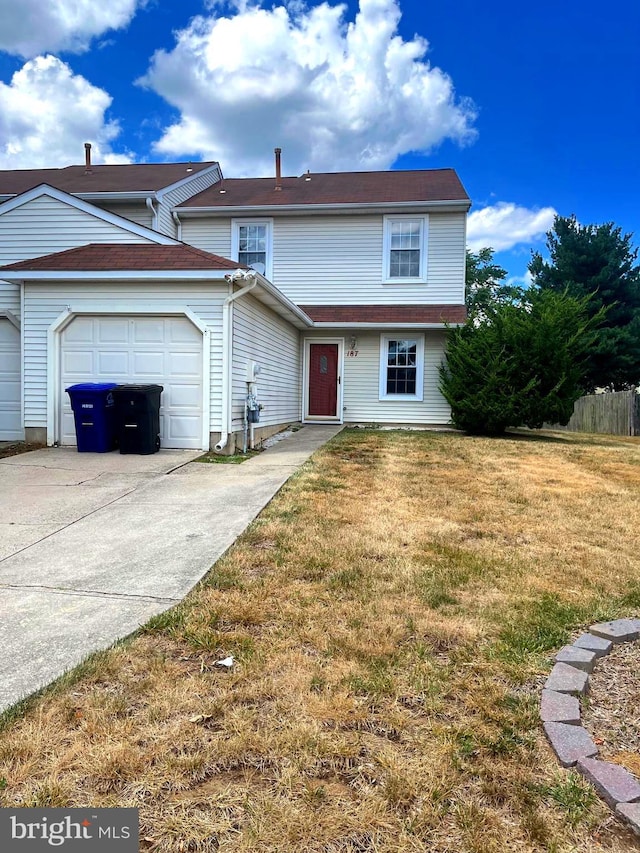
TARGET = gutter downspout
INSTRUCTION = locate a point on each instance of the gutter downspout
(176, 219)
(227, 355)
(154, 213)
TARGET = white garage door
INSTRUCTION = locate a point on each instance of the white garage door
(10, 427)
(162, 350)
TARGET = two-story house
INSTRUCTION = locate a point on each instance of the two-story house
(331, 292)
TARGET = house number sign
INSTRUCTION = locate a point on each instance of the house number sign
(352, 353)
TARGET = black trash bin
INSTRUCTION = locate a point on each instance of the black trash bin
(93, 412)
(138, 418)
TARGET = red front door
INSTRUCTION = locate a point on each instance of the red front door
(323, 380)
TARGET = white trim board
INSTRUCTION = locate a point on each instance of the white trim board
(11, 317)
(170, 187)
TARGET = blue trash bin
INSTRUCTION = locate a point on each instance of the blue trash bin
(93, 412)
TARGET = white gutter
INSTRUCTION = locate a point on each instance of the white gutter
(227, 343)
(176, 219)
(450, 205)
(154, 212)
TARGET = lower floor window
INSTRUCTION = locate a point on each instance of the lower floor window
(401, 367)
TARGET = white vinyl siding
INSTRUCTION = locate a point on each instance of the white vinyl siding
(44, 303)
(361, 382)
(10, 297)
(262, 336)
(339, 260)
(210, 235)
(169, 200)
(138, 213)
(446, 258)
(45, 225)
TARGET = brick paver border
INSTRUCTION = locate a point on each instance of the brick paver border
(560, 714)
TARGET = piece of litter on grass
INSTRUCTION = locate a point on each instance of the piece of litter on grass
(227, 662)
(201, 718)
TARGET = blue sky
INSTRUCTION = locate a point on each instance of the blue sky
(536, 106)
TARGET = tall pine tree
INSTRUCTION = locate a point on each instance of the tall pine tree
(600, 261)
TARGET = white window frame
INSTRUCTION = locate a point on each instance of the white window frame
(386, 248)
(235, 241)
(384, 354)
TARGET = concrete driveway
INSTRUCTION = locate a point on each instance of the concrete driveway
(93, 545)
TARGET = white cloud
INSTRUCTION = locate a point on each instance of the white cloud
(525, 280)
(505, 224)
(47, 113)
(31, 27)
(334, 95)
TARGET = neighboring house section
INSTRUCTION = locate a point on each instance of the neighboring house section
(45, 220)
(142, 192)
(337, 286)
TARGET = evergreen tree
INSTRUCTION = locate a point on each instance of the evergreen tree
(598, 260)
(522, 366)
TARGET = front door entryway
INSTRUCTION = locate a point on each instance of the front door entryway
(323, 382)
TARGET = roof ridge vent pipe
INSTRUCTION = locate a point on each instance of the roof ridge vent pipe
(87, 159)
(278, 152)
(251, 278)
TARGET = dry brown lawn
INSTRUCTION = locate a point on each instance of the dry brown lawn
(392, 614)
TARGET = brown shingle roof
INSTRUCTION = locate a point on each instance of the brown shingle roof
(133, 177)
(386, 313)
(115, 257)
(335, 188)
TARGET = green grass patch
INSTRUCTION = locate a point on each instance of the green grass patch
(573, 795)
(449, 568)
(232, 459)
(539, 626)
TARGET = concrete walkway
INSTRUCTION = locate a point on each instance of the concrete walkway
(93, 545)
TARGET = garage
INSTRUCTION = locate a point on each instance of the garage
(138, 349)
(10, 420)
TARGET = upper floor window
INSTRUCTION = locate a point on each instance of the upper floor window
(405, 249)
(251, 244)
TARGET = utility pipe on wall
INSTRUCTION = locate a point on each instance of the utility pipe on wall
(227, 344)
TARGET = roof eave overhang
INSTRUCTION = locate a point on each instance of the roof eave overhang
(113, 275)
(294, 313)
(138, 195)
(266, 292)
(390, 324)
(459, 206)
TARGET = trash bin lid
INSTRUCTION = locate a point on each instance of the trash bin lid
(92, 386)
(139, 388)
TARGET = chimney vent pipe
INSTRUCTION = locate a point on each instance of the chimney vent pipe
(87, 158)
(278, 152)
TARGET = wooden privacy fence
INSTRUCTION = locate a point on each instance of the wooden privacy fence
(617, 413)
